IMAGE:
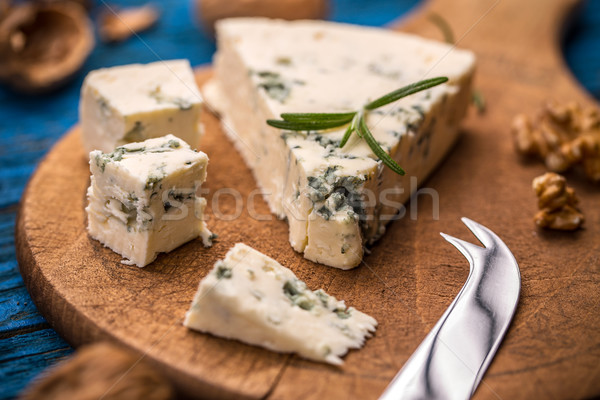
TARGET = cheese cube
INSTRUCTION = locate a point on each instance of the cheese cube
(132, 103)
(143, 198)
(252, 298)
(336, 200)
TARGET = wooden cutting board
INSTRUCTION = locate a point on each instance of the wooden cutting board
(552, 349)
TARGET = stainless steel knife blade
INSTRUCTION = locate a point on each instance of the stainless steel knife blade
(451, 360)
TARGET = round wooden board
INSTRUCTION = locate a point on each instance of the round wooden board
(552, 349)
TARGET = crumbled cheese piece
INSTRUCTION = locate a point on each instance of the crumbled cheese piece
(132, 103)
(251, 297)
(142, 198)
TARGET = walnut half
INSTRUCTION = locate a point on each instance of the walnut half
(562, 136)
(43, 45)
(557, 203)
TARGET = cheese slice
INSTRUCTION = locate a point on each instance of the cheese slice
(335, 200)
(252, 298)
(132, 103)
(143, 198)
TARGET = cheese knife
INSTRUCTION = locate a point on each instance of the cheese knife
(454, 356)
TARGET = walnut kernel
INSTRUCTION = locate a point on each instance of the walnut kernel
(557, 203)
(562, 136)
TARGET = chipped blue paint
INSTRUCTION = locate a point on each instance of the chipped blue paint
(23, 357)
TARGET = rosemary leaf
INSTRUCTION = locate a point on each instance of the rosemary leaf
(306, 125)
(376, 148)
(478, 101)
(346, 136)
(351, 128)
(444, 26)
(405, 91)
(302, 117)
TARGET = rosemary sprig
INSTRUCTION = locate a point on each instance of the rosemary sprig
(405, 91)
(366, 134)
(444, 26)
(356, 119)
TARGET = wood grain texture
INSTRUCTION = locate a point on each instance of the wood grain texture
(27, 135)
(553, 347)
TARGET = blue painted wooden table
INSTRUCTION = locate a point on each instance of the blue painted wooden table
(30, 125)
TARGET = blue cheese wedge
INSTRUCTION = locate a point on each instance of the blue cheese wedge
(252, 298)
(143, 198)
(132, 103)
(335, 200)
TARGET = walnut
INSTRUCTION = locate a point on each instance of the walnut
(557, 203)
(5, 6)
(100, 371)
(210, 11)
(87, 4)
(527, 140)
(127, 22)
(562, 136)
(43, 45)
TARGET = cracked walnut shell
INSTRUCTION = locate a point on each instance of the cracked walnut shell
(557, 203)
(121, 25)
(43, 45)
(562, 136)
